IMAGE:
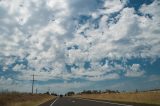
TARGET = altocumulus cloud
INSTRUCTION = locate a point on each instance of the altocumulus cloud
(91, 40)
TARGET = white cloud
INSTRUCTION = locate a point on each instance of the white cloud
(113, 6)
(4, 81)
(134, 71)
(58, 87)
(104, 77)
(41, 31)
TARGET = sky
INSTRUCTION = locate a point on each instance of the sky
(76, 45)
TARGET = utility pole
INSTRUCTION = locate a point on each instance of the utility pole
(32, 83)
(36, 90)
(48, 90)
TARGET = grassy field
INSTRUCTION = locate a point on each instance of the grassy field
(141, 97)
(23, 99)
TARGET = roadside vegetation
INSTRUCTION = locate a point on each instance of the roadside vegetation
(23, 99)
(146, 97)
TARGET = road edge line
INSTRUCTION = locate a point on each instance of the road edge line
(54, 101)
(104, 102)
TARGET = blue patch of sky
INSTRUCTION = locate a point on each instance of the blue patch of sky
(95, 22)
(23, 61)
(87, 65)
(147, 15)
(73, 47)
(103, 61)
(69, 67)
(136, 4)
(9, 72)
(153, 68)
(82, 33)
(145, 64)
(113, 18)
(82, 19)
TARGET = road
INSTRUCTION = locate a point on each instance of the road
(66, 101)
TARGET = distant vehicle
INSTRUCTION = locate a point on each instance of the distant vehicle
(61, 96)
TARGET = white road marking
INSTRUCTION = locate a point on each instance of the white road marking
(104, 102)
(73, 101)
(54, 101)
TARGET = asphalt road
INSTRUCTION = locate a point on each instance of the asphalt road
(66, 101)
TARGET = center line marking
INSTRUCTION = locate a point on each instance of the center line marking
(54, 101)
(73, 101)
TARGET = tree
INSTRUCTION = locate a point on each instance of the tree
(54, 94)
(70, 93)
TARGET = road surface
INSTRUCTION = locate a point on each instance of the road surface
(68, 101)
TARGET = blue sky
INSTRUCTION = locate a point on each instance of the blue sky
(79, 45)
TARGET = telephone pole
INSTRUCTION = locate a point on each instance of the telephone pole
(36, 90)
(32, 83)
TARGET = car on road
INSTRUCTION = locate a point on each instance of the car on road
(60, 96)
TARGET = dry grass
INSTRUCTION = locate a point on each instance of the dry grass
(23, 99)
(141, 97)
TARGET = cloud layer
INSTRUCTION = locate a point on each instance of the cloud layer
(70, 39)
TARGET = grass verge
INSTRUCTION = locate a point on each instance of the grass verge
(23, 99)
(141, 97)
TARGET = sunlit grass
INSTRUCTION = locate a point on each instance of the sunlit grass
(140, 97)
(23, 99)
